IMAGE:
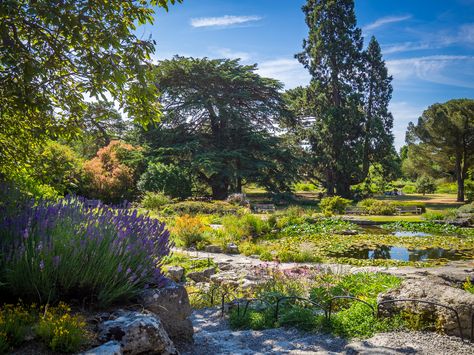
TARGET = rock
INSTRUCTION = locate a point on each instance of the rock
(110, 348)
(201, 276)
(436, 290)
(137, 333)
(175, 273)
(224, 266)
(227, 278)
(232, 248)
(213, 249)
(171, 304)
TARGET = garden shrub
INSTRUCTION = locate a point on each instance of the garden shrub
(111, 176)
(15, 324)
(305, 187)
(335, 204)
(61, 250)
(467, 208)
(447, 188)
(372, 206)
(409, 189)
(468, 286)
(188, 231)
(246, 226)
(169, 179)
(154, 200)
(60, 330)
(197, 207)
(425, 185)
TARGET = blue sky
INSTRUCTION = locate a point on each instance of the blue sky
(428, 44)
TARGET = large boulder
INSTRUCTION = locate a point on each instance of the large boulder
(110, 348)
(137, 333)
(171, 304)
(435, 290)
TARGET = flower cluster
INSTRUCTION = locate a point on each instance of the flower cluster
(53, 250)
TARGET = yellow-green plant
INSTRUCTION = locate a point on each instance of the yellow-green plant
(60, 330)
(188, 230)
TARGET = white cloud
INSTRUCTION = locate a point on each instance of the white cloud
(222, 21)
(228, 53)
(454, 70)
(384, 21)
(405, 47)
(403, 113)
(289, 71)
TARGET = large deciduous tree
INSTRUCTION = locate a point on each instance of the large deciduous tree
(349, 126)
(218, 120)
(445, 132)
(56, 53)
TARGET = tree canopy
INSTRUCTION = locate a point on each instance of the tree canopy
(347, 125)
(56, 54)
(445, 133)
(222, 115)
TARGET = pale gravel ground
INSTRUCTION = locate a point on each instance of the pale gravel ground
(213, 336)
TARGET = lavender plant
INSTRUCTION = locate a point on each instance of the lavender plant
(63, 251)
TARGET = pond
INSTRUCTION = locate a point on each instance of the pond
(404, 254)
(382, 231)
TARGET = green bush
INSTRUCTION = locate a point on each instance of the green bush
(305, 187)
(198, 207)
(447, 188)
(246, 226)
(154, 200)
(425, 185)
(377, 207)
(467, 208)
(335, 204)
(61, 331)
(170, 179)
(409, 189)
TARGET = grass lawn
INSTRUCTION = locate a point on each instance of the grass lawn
(432, 201)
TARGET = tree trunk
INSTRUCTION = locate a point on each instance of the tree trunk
(343, 189)
(459, 178)
(220, 188)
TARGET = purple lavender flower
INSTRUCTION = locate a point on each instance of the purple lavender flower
(41, 265)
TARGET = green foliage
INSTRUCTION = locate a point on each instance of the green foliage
(188, 263)
(15, 324)
(425, 185)
(335, 204)
(169, 179)
(60, 330)
(58, 166)
(154, 200)
(409, 189)
(467, 208)
(377, 207)
(318, 226)
(468, 286)
(302, 186)
(245, 226)
(353, 129)
(230, 141)
(197, 207)
(46, 95)
(442, 139)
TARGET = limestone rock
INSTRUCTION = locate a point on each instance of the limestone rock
(175, 273)
(213, 249)
(232, 248)
(110, 348)
(137, 333)
(435, 290)
(201, 276)
(171, 304)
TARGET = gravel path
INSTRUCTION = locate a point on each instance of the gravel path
(213, 336)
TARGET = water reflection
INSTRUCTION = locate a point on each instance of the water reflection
(403, 254)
